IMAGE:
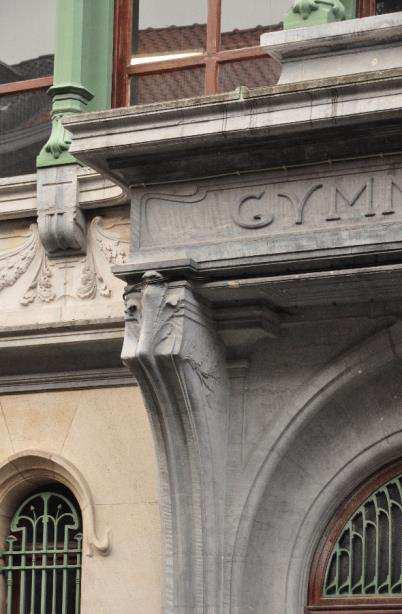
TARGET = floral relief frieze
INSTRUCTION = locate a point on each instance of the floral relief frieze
(32, 277)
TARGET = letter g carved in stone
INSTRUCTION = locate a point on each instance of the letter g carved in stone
(256, 220)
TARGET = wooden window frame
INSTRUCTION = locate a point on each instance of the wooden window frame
(28, 85)
(210, 60)
(366, 8)
(321, 559)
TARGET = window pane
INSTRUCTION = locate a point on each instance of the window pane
(244, 22)
(27, 31)
(251, 73)
(161, 28)
(168, 85)
(24, 129)
(388, 6)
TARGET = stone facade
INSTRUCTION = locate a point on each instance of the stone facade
(258, 234)
(263, 306)
(70, 413)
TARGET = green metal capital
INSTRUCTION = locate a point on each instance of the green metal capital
(316, 12)
(82, 70)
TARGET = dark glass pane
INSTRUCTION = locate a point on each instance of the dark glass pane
(244, 22)
(388, 6)
(24, 128)
(27, 31)
(168, 27)
(168, 85)
(251, 73)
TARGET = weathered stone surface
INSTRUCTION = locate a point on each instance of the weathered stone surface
(172, 348)
(285, 225)
(330, 50)
(99, 444)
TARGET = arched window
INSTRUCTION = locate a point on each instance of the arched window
(358, 565)
(42, 555)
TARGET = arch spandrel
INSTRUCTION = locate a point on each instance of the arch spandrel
(308, 494)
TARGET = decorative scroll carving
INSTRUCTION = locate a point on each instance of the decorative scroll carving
(172, 347)
(258, 220)
(104, 245)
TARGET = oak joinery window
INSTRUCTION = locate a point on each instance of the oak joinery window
(182, 49)
(358, 566)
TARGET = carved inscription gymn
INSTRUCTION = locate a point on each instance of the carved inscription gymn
(230, 209)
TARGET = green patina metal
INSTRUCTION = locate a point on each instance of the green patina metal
(42, 561)
(82, 69)
(366, 560)
(316, 12)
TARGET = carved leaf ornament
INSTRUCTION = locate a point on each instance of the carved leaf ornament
(103, 245)
(15, 263)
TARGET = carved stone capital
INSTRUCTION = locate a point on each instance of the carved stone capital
(172, 348)
(61, 222)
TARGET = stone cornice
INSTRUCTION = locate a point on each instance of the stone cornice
(18, 194)
(121, 143)
(79, 380)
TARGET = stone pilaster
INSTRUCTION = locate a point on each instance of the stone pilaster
(172, 348)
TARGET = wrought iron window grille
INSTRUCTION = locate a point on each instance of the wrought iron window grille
(358, 565)
(43, 555)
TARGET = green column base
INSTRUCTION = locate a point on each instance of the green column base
(318, 12)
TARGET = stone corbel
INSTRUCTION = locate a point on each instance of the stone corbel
(172, 348)
(61, 223)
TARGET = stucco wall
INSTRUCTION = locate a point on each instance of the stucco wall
(106, 436)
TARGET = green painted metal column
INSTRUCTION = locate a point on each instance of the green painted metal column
(317, 12)
(82, 70)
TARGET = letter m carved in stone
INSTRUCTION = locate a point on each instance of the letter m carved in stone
(365, 190)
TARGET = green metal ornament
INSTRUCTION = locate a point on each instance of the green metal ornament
(42, 560)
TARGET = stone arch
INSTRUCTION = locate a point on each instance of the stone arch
(26, 471)
(279, 529)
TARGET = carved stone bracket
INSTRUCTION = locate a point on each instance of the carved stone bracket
(172, 348)
(61, 222)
